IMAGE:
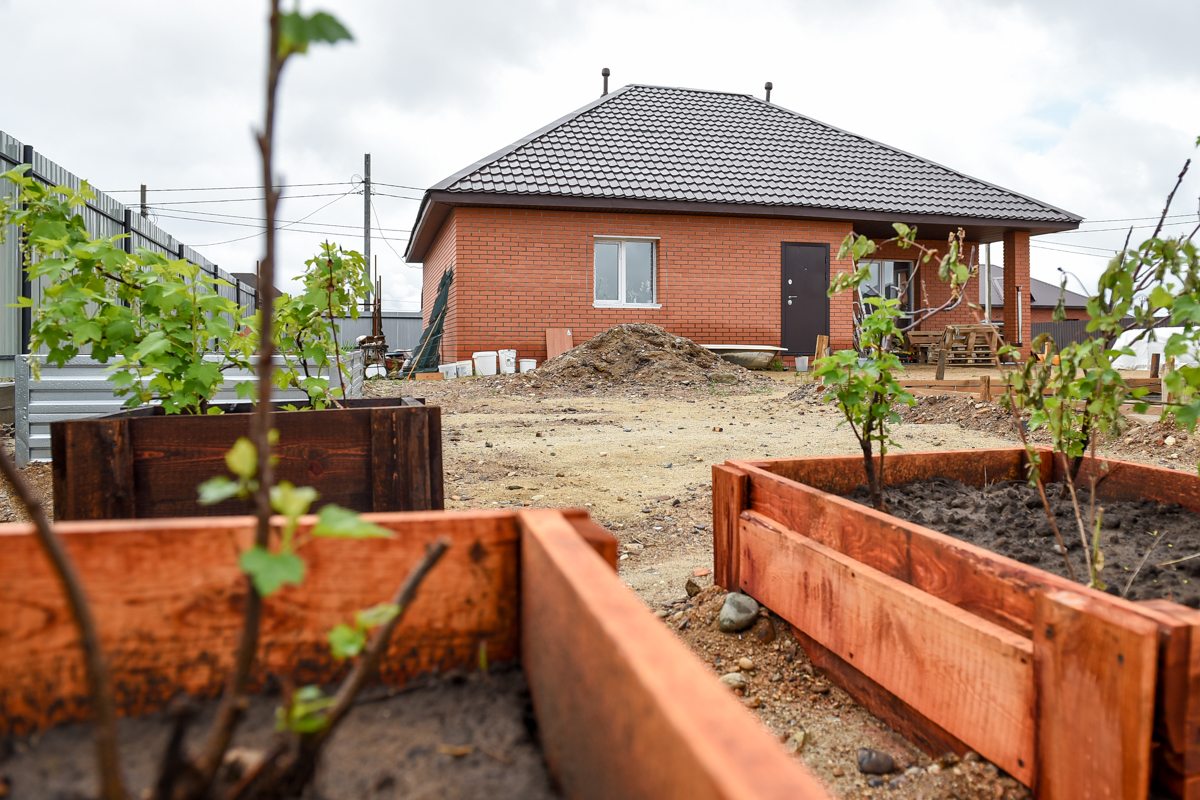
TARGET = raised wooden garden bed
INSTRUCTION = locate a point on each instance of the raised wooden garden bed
(373, 455)
(623, 709)
(1075, 692)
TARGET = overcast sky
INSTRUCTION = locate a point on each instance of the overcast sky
(1089, 105)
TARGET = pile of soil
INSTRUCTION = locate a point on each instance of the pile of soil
(1161, 443)
(643, 355)
(970, 414)
(1008, 518)
(464, 736)
(816, 720)
(40, 477)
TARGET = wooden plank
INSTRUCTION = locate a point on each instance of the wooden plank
(985, 388)
(967, 675)
(168, 597)
(558, 341)
(899, 715)
(597, 537)
(92, 468)
(729, 498)
(385, 458)
(821, 346)
(941, 363)
(1177, 720)
(607, 678)
(1094, 671)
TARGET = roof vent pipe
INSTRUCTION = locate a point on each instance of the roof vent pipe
(769, 87)
(605, 73)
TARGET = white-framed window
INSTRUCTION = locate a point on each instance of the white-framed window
(891, 280)
(624, 273)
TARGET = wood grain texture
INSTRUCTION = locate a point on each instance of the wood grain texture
(332, 451)
(1094, 671)
(969, 676)
(607, 678)
(729, 498)
(87, 492)
(910, 723)
(168, 597)
(1177, 713)
(599, 539)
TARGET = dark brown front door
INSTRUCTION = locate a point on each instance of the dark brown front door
(805, 277)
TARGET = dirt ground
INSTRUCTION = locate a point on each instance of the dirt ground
(637, 454)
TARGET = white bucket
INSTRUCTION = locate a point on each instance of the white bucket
(801, 363)
(485, 362)
(508, 361)
(464, 368)
(528, 364)
(449, 371)
(375, 371)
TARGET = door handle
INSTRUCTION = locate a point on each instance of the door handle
(792, 296)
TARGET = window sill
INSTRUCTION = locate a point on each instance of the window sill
(627, 305)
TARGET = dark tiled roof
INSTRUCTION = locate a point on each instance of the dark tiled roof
(657, 143)
(1043, 294)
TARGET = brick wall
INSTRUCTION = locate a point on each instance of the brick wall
(1016, 273)
(932, 292)
(442, 256)
(520, 271)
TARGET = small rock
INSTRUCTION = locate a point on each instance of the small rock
(723, 377)
(692, 588)
(897, 782)
(795, 742)
(559, 475)
(602, 454)
(875, 783)
(934, 769)
(752, 702)
(668, 465)
(455, 497)
(738, 613)
(634, 547)
(874, 762)
(745, 664)
(717, 428)
(538, 434)
(539, 497)
(734, 680)
(487, 444)
(911, 771)
(514, 487)
(764, 630)
(661, 613)
(838, 772)
(1170, 441)
(675, 502)
(970, 756)
(700, 572)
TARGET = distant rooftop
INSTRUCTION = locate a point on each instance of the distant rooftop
(1042, 294)
(663, 148)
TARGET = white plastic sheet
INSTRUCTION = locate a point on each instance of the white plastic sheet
(1146, 347)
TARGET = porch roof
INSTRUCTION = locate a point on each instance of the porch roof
(673, 150)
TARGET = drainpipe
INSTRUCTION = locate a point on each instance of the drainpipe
(1020, 318)
(987, 267)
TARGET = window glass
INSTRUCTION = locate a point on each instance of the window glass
(870, 287)
(639, 272)
(608, 270)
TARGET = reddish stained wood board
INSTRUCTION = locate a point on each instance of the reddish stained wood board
(585, 637)
(1094, 669)
(951, 665)
(558, 341)
(168, 598)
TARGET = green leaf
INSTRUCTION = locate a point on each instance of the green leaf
(291, 501)
(376, 615)
(306, 714)
(242, 459)
(214, 490)
(270, 570)
(297, 32)
(335, 521)
(347, 642)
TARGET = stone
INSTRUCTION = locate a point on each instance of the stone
(752, 702)
(559, 475)
(700, 572)
(734, 680)
(487, 444)
(838, 772)
(764, 630)
(1170, 441)
(668, 465)
(934, 769)
(455, 497)
(692, 588)
(795, 742)
(745, 664)
(538, 497)
(970, 756)
(874, 762)
(738, 613)
(514, 487)
(875, 783)
(723, 377)
(897, 782)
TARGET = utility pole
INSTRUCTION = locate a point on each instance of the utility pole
(367, 216)
(145, 211)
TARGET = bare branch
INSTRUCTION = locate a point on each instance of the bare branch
(112, 786)
(1163, 217)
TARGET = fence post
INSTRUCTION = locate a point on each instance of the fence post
(26, 284)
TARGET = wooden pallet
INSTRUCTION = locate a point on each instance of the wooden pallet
(971, 345)
(1075, 692)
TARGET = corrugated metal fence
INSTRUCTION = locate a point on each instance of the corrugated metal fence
(104, 217)
(81, 389)
(401, 328)
(1068, 331)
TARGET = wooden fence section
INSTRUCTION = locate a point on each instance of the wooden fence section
(785, 500)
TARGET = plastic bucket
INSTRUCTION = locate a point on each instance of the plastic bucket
(464, 368)
(801, 363)
(508, 361)
(449, 371)
(528, 364)
(485, 362)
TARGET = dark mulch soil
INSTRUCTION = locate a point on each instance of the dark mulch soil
(1008, 518)
(463, 737)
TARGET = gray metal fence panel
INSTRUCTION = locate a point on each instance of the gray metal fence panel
(402, 329)
(105, 216)
(80, 389)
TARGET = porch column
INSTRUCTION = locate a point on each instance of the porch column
(1016, 276)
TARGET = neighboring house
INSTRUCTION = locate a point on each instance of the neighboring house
(1042, 302)
(717, 216)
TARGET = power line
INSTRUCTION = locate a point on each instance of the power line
(1132, 227)
(227, 188)
(285, 227)
(397, 196)
(400, 186)
(246, 199)
(263, 221)
(318, 229)
(1136, 219)
(1069, 252)
(389, 244)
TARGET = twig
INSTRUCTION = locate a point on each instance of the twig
(337, 351)
(1129, 585)
(112, 786)
(1170, 198)
(1041, 489)
(412, 371)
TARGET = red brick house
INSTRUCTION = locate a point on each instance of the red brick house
(1043, 297)
(717, 216)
